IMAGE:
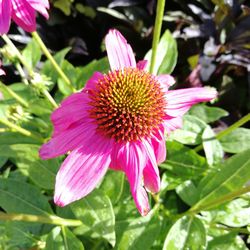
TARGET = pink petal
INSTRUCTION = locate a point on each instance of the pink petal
(142, 65)
(71, 110)
(24, 15)
(179, 101)
(120, 54)
(132, 157)
(82, 171)
(165, 81)
(151, 172)
(172, 124)
(1, 70)
(80, 133)
(159, 144)
(5, 16)
(40, 6)
(91, 83)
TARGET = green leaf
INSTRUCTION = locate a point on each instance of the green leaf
(186, 233)
(64, 6)
(212, 147)
(139, 233)
(183, 161)
(166, 57)
(84, 73)
(206, 113)
(233, 174)
(20, 197)
(227, 242)
(32, 53)
(191, 131)
(237, 141)
(63, 239)
(113, 185)
(96, 213)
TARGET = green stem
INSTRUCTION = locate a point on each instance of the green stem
(228, 130)
(14, 95)
(21, 130)
(21, 72)
(51, 219)
(198, 208)
(28, 68)
(52, 60)
(157, 32)
(230, 229)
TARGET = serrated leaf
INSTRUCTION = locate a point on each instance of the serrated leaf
(96, 213)
(206, 113)
(166, 57)
(233, 174)
(212, 147)
(237, 141)
(187, 233)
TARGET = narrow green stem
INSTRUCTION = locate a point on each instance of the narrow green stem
(52, 60)
(228, 130)
(28, 68)
(21, 72)
(198, 207)
(51, 219)
(17, 53)
(157, 32)
(230, 229)
(14, 95)
(20, 130)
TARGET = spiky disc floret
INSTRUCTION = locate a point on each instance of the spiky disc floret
(127, 104)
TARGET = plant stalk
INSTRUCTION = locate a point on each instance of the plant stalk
(157, 32)
(51, 219)
(228, 130)
(52, 60)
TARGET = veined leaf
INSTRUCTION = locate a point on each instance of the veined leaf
(187, 233)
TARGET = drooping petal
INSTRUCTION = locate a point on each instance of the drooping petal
(165, 81)
(41, 6)
(172, 124)
(151, 171)
(179, 101)
(120, 53)
(133, 157)
(71, 110)
(80, 133)
(142, 65)
(91, 83)
(24, 15)
(82, 170)
(5, 16)
(159, 145)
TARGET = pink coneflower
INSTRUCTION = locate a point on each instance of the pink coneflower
(23, 12)
(117, 121)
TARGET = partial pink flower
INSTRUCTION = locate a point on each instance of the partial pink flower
(117, 121)
(23, 13)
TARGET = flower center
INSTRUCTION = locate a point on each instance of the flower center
(127, 104)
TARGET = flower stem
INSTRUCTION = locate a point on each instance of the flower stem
(198, 208)
(52, 60)
(20, 130)
(51, 219)
(228, 130)
(28, 68)
(157, 32)
(14, 95)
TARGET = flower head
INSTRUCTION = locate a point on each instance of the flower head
(23, 12)
(117, 121)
